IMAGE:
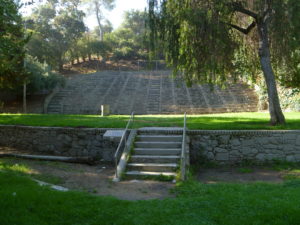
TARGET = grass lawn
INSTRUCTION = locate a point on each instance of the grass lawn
(22, 201)
(226, 121)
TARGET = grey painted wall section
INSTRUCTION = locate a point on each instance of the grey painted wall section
(59, 141)
(225, 147)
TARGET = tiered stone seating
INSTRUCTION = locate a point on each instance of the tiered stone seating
(148, 92)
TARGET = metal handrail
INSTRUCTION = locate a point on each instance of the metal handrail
(183, 152)
(123, 140)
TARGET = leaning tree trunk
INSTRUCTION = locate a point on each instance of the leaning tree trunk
(98, 16)
(276, 114)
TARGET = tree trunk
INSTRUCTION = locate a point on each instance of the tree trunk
(24, 98)
(98, 16)
(277, 117)
(61, 67)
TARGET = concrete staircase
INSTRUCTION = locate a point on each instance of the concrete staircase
(155, 154)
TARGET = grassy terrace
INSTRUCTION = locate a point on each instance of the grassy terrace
(22, 201)
(227, 121)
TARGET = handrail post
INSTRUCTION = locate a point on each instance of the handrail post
(183, 152)
(123, 140)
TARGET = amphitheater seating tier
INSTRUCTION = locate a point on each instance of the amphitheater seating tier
(148, 92)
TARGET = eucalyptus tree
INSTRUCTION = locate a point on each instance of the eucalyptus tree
(98, 7)
(203, 38)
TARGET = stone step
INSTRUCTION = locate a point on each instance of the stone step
(154, 158)
(54, 107)
(158, 144)
(138, 174)
(160, 138)
(55, 103)
(152, 167)
(157, 151)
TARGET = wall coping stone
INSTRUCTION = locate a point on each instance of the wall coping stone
(244, 132)
(190, 132)
(58, 128)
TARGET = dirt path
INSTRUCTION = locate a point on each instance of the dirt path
(98, 179)
(94, 179)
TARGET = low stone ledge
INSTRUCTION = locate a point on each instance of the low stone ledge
(229, 147)
(222, 146)
(64, 141)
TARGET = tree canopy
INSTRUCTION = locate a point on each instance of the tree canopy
(130, 40)
(12, 41)
(98, 7)
(55, 28)
(210, 40)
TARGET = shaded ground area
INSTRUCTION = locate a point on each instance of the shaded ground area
(93, 179)
(35, 104)
(97, 179)
(241, 175)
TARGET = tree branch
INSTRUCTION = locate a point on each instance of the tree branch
(243, 30)
(237, 6)
(267, 11)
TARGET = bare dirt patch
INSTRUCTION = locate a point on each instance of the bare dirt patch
(95, 180)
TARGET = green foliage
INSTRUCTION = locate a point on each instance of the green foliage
(199, 39)
(98, 7)
(245, 170)
(55, 29)
(40, 76)
(12, 41)
(196, 38)
(285, 42)
(100, 48)
(130, 40)
(289, 96)
(88, 45)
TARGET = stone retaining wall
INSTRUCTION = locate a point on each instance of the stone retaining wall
(229, 147)
(225, 147)
(59, 141)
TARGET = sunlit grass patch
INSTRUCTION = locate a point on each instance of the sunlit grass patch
(20, 167)
(9, 166)
(225, 121)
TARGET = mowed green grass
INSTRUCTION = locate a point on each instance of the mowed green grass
(226, 121)
(22, 201)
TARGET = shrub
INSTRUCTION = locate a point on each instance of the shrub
(41, 77)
